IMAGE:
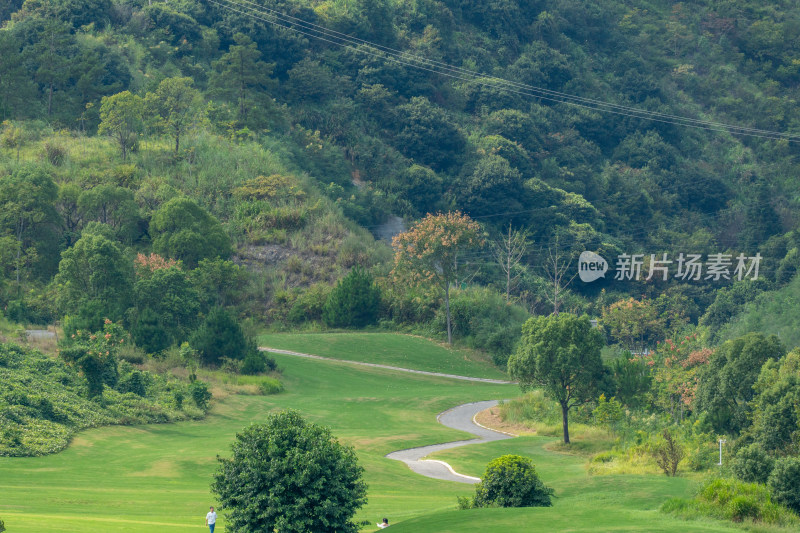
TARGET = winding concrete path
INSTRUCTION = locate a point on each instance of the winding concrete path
(461, 418)
(388, 367)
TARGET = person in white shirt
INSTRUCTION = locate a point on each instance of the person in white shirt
(211, 519)
(384, 524)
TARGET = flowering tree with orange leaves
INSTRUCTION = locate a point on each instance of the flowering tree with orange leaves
(635, 324)
(144, 265)
(675, 366)
(428, 253)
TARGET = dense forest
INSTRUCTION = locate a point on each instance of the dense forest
(370, 112)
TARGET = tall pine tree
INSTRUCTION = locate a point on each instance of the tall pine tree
(354, 302)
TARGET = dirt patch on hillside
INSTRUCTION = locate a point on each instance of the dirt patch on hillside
(490, 418)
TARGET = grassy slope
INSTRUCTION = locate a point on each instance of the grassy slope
(774, 312)
(157, 477)
(393, 349)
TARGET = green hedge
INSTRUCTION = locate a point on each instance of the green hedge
(44, 401)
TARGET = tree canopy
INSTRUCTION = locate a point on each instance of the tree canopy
(290, 475)
(429, 252)
(561, 354)
(183, 230)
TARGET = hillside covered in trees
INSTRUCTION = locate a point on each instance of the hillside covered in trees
(283, 121)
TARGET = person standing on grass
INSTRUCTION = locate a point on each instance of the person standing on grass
(211, 519)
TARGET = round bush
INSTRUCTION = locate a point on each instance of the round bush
(257, 362)
(292, 476)
(511, 481)
(784, 483)
(741, 507)
(752, 464)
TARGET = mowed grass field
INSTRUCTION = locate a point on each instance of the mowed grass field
(394, 349)
(156, 478)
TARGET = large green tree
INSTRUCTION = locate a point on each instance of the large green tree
(95, 269)
(292, 476)
(776, 406)
(354, 302)
(17, 90)
(495, 187)
(429, 252)
(220, 335)
(183, 230)
(168, 294)
(242, 77)
(726, 382)
(175, 105)
(121, 118)
(113, 205)
(28, 215)
(50, 56)
(421, 121)
(561, 354)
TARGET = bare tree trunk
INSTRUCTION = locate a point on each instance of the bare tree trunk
(242, 111)
(50, 100)
(556, 269)
(20, 229)
(565, 421)
(509, 252)
(447, 309)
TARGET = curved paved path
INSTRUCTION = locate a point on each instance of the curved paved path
(375, 365)
(461, 418)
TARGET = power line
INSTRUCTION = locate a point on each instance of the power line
(315, 31)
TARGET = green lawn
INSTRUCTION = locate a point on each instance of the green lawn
(156, 478)
(405, 351)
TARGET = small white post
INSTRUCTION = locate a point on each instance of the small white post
(721, 442)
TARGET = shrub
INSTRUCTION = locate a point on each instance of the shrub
(741, 507)
(131, 354)
(230, 366)
(92, 368)
(482, 318)
(608, 412)
(354, 302)
(310, 304)
(179, 396)
(200, 394)
(135, 382)
(784, 482)
(729, 499)
(604, 457)
(42, 403)
(269, 386)
(752, 464)
(511, 481)
(219, 336)
(257, 362)
(56, 153)
(668, 454)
